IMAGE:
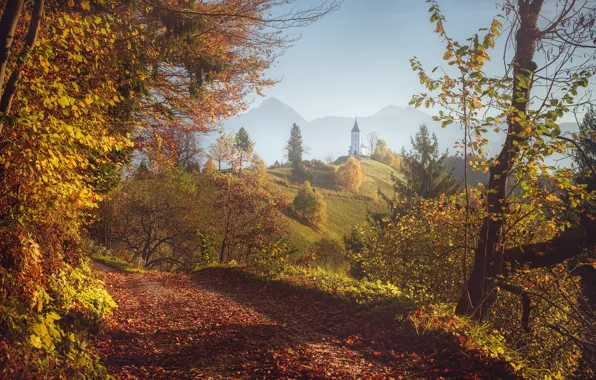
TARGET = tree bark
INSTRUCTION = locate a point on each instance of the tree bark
(30, 40)
(8, 25)
(488, 258)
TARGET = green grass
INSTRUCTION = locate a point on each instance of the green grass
(117, 263)
(376, 175)
(345, 209)
(359, 292)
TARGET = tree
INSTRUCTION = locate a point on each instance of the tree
(294, 147)
(380, 150)
(221, 150)
(502, 269)
(247, 218)
(329, 158)
(209, 167)
(423, 169)
(372, 139)
(310, 204)
(258, 165)
(157, 219)
(585, 156)
(349, 174)
(243, 149)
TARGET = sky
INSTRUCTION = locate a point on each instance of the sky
(355, 61)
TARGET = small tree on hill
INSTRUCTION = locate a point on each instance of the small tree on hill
(310, 204)
(221, 150)
(295, 149)
(372, 139)
(259, 166)
(209, 166)
(244, 148)
(349, 175)
(380, 150)
(423, 169)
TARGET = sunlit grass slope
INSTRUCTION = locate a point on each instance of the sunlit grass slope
(345, 209)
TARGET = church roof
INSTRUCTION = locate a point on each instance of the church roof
(356, 129)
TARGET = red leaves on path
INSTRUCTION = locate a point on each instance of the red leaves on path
(221, 323)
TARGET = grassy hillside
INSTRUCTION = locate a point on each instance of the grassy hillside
(345, 209)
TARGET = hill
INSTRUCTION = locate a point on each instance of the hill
(344, 208)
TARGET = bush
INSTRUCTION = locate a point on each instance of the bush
(301, 173)
(310, 205)
(46, 336)
(349, 175)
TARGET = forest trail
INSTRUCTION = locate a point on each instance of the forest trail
(222, 323)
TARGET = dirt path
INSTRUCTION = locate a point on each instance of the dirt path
(223, 324)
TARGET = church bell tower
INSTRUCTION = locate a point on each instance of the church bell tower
(355, 148)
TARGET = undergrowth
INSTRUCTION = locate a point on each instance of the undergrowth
(47, 338)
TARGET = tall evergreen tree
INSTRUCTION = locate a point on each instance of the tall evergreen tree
(294, 147)
(423, 169)
(587, 143)
(244, 148)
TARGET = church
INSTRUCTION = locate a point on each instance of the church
(356, 149)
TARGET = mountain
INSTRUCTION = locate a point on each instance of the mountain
(269, 126)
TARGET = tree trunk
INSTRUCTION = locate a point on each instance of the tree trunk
(488, 258)
(30, 40)
(8, 25)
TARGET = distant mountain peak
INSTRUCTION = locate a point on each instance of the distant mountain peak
(272, 102)
(390, 111)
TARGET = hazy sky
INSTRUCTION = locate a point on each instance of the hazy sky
(356, 60)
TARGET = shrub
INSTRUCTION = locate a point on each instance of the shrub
(310, 205)
(349, 175)
(301, 173)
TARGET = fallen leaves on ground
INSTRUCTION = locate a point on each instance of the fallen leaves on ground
(221, 323)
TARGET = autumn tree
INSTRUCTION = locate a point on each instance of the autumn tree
(294, 148)
(248, 218)
(380, 150)
(530, 118)
(243, 149)
(157, 220)
(222, 150)
(209, 166)
(349, 174)
(310, 205)
(79, 82)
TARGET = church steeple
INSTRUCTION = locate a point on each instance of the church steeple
(356, 129)
(355, 147)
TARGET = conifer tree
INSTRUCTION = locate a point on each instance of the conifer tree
(294, 148)
(423, 169)
(244, 148)
(587, 142)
